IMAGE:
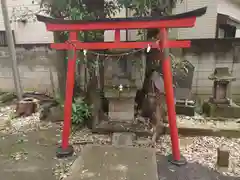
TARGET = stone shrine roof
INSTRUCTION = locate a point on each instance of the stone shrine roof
(221, 74)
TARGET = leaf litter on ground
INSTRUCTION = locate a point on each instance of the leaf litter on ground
(202, 150)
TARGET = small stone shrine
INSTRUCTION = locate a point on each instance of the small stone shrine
(219, 105)
(122, 79)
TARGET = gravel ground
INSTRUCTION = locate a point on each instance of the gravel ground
(22, 124)
(199, 121)
(203, 150)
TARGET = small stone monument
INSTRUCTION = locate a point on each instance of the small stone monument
(185, 105)
(223, 157)
(219, 105)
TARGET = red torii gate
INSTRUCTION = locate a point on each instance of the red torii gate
(184, 20)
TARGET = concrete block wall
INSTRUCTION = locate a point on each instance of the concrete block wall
(36, 69)
(205, 63)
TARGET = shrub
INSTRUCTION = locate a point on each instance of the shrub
(80, 112)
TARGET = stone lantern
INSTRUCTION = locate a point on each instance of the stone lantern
(219, 105)
(221, 78)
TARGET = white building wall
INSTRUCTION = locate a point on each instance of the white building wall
(31, 32)
(129, 35)
(35, 32)
(109, 34)
(205, 26)
(238, 33)
(230, 8)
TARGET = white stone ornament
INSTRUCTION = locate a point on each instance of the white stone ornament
(120, 87)
(85, 52)
(148, 48)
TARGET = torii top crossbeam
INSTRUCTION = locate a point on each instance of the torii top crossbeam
(184, 20)
(175, 21)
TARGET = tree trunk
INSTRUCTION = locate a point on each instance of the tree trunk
(153, 61)
(26, 107)
(60, 64)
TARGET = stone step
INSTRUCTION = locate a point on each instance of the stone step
(121, 126)
(123, 139)
(186, 127)
(207, 127)
(114, 163)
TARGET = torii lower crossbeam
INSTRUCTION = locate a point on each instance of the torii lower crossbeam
(120, 45)
(163, 44)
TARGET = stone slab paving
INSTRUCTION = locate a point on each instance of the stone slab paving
(28, 156)
(115, 163)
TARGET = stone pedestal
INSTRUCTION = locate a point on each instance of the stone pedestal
(121, 109)
(184, 103)
(186, 110)
(121, 104)
(221, 110)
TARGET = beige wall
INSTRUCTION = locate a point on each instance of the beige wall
(130, 35)
(32, 32)
(229, 8)
(109, 34)
(205, 26)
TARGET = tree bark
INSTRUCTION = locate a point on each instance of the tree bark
(26, 107)
(60, 64)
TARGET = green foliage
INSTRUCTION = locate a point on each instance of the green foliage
(144, 7)
(67, 8)
(80, 112)
(91, 9)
